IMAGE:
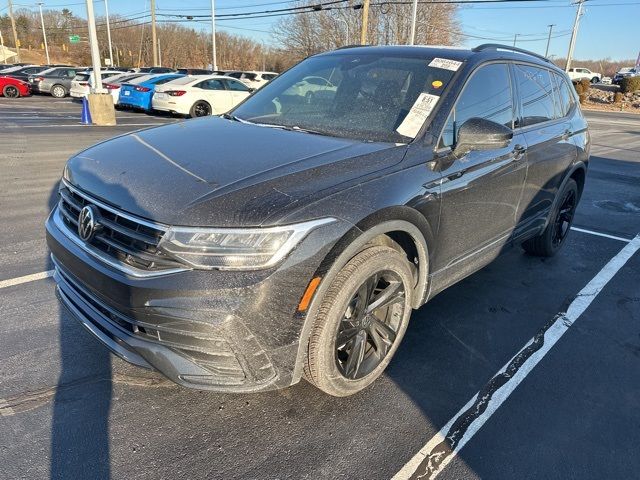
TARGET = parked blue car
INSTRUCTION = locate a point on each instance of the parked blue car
(138, 95)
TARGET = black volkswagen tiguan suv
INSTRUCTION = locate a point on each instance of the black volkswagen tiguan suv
(294, 235)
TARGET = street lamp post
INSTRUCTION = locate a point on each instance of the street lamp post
(346, 27)
(95, 52)
(44, 34)
(414, 18)
(106, 12)
(213, 36)
(546, 52)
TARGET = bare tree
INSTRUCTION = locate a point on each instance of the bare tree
(308, 33)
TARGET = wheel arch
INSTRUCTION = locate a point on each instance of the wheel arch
(401, 228)
(577, 172)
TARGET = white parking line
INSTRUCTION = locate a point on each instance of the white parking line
(27, 278)
(445, 445)
(599, 234)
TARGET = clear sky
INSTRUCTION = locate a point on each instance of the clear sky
(608, 28)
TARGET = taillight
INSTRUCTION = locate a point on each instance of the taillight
(141, 89)
(39, 79)
(176, 93)
(111, 86)
(83, 84)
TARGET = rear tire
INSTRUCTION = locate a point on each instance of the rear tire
(595, 80)
(360, 322)
(58, 91)
(10, 91)
(200, 109)
(549, 242)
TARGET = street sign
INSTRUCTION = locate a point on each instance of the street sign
(74, 38)
(107, 62)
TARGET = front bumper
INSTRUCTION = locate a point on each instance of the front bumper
(215, 330)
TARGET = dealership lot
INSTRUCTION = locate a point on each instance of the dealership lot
(70, 409)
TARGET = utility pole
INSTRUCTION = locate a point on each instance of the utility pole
(414, 17)
(4, 56)
(574, 34)
(515, 39)
(214, 61)
(44, 34)
(15, 32)
(546, 52)
(365, 22)
(154, 37)
(106, 12)
(95, 52)
(159, 53)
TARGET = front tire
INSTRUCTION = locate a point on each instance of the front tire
(595, 80)
(200, 109)
(10, 91)
(58, 91)
(360, 322)
(549, 242)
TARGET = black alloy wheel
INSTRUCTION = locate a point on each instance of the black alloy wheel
(564, 218)
(359, 317)
(551, 239)
(370, 324)
(201, 109)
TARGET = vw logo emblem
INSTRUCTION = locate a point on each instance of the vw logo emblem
(87, 223)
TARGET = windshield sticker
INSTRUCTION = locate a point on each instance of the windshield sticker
(446, 64)
(414, 120)
(436, 84)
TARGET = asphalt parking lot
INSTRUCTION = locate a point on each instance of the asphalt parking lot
(567, 330)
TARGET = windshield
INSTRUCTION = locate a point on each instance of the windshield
(366, 96)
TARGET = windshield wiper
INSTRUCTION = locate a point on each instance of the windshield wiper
(290, 128)
(228, 116)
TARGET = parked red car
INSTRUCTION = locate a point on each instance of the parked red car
(13, 88)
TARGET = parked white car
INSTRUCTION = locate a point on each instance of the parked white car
(199, 95)
(253, 79)
(309, 86)
(580, 73)
(82, 82)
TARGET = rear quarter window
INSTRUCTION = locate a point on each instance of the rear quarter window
(536, 94)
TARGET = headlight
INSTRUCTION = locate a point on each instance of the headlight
(235, 248)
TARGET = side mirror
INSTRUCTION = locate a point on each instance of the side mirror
(251, 89)
(481, 134)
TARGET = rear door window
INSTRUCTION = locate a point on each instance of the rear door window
(237, 86)
(211, 84)
(486, 95)
(536, 94)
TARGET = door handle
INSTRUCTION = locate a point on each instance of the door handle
(567, 133)
(519, 151)
(456, 175)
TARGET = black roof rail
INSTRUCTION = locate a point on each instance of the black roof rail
(496, 46)
(353, 46)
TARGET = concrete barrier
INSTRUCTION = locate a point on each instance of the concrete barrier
(101, 107)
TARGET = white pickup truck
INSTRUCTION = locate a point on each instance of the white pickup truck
(580, 73)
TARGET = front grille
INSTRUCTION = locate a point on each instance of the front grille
(121, 237)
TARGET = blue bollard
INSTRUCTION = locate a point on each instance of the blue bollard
(85, 118)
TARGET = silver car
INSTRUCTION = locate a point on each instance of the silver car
(55, 81)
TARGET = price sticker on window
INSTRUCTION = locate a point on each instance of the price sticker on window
(445, 64)
(416, 117)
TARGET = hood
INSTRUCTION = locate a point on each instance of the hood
(218, 172)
